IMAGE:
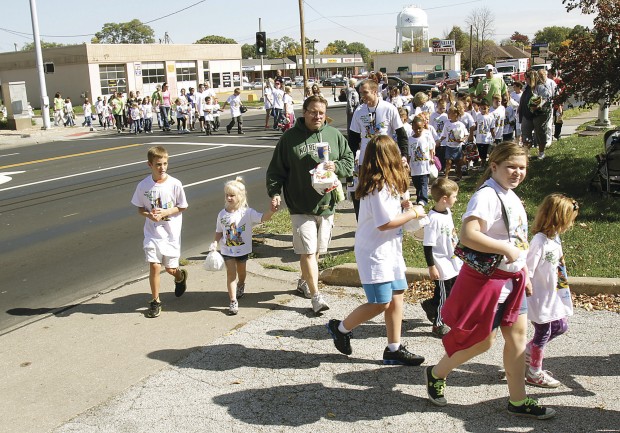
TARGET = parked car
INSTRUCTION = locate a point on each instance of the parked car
(335, 81)
(443, 79)
(258, 84)
(286, 81)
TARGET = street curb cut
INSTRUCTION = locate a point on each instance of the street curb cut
(347, 275)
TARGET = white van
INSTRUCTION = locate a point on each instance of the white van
(546, 66)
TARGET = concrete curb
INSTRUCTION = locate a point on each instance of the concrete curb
(347, 275)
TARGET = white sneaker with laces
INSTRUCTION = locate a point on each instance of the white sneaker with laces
(319, 304)
(233, 308)
(542, 379)
(303, 289)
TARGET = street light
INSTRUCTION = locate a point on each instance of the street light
(314, 41)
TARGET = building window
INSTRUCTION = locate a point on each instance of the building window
(113, 79)
(186, 71)
(153, 73)
(207, 73)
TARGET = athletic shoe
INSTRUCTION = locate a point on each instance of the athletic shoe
(541, 155)
(319, 304)
(542, 379)
(154, 309)
(233, 308)
(228, 129)
(401, 357)
(181, 286)
(531, 409)
(435, 388)
(341, 341)
(240, 290)
(303, 289)
(430, 309)
(441, 330)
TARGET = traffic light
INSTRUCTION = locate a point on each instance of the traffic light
(261, 43)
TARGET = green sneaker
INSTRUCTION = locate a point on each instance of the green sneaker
(435, 388)
(154, 309)
(531, 409)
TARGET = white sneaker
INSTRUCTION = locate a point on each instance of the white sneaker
(541, 155)
(319, 304)
(233, 308)
(303, 289)
(542, 379)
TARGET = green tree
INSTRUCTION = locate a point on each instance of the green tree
(248, 51)
(461, 39)
(132, 32)
(590, 61)
(336, 47)
(359, 48)
(553, 35)
(30, 45)
(215, 39)
(283, 47)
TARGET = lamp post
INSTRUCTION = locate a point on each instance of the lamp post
(314, 41)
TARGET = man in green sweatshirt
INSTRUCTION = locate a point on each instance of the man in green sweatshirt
(312, 213)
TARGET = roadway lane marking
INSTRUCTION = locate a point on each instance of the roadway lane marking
(191, 143)
(221, 177)
(9, 154)
(19, 164)
(100, 170)
(4, 177)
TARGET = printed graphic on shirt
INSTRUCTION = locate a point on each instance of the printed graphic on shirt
(371, 128)
(233, 234)
(156, 203)
(562, 275)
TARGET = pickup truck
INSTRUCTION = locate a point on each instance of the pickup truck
(443, 79)
(482, 74)
(512, 72)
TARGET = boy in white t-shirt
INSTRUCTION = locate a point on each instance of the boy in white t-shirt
(234, 101)
(499, 112)
(207, 114)
(88, 114)
(437, 120)
(485, 131)
(452, 138)
(440, 238)
(421, 156)
(160, 199)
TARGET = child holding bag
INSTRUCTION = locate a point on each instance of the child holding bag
(233, 233)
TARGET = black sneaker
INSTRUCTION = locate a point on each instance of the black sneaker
(341, 341)
(435, 388)
(154, 309)
(430, 309)
(228, 129)
(401, 357)
(531, 409)
(180, 286)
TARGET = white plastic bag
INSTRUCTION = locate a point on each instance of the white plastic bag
(214, 261)
(416, 227)
(323, 181)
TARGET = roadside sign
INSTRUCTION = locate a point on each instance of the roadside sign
(540, 50)
(443, 47)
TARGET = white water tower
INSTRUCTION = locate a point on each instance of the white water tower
(412, 24)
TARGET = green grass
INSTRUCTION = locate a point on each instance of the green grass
(280, 223)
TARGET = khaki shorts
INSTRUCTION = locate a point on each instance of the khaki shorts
(311, 233)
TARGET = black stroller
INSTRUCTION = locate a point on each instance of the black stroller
(607, 176)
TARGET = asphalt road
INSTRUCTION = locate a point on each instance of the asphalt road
(69, 230)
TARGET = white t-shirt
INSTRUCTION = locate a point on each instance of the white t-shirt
(379, 254)
(200, 99)
(380, 120)
(278, 98)
(441, 235)
(99, 107)
(510, 118)
(438, 120)
(550, 299)
(268, 98)
(485, 205)
(448, 137)
(420, 153)
(468, 121)
(208, 111)
(134, 112)
(288, 103)
(165, 234)
(235, 104)
(209, 92)
(484, 123)
(499, 114)
(88, 110)
(147, 111)
(236, 228)
(516, 96)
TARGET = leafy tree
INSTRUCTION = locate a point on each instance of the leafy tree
(215, 39)
(248, 51)
(336, 47)
(590, 62)
(482, 21)
(461, 39)
(359, 48)
(30, 45)
(132, 32)
(520, 40)
(283, 47)
(553, 35)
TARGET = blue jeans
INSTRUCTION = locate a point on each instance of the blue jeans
(421, 188)
(165, 111)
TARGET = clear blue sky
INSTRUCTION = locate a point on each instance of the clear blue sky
(371, 22)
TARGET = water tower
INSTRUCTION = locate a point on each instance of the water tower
(412, 24)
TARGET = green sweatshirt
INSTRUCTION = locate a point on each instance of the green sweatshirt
(293, 158)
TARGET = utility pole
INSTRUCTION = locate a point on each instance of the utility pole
(262, 67)
(45, 101)
(314, 41)
(304, 66)
(471, 59)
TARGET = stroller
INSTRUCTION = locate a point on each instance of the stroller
(607, 176)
